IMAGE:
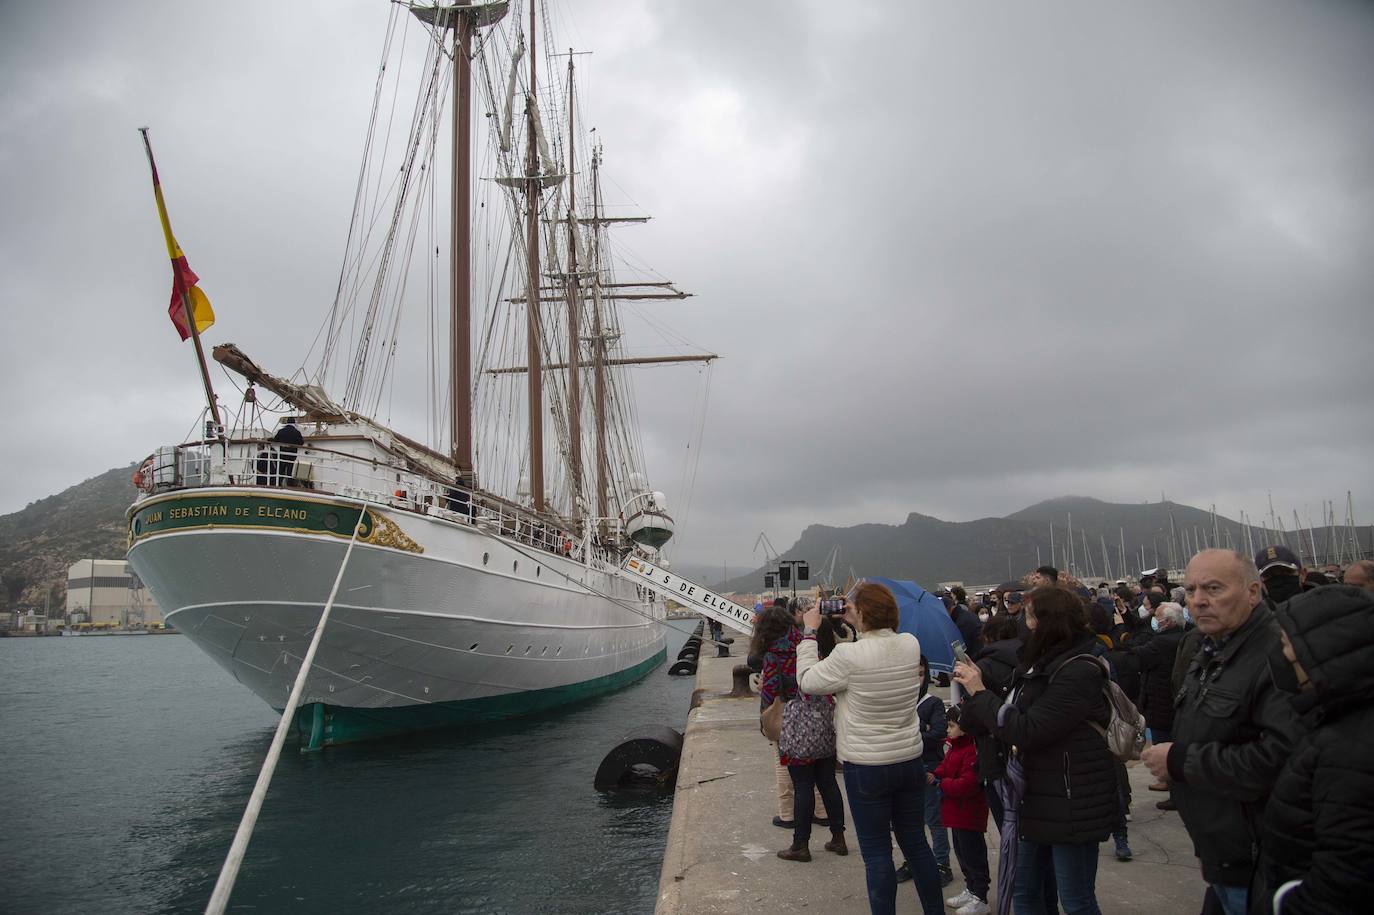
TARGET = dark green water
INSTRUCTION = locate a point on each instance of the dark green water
(125, 765)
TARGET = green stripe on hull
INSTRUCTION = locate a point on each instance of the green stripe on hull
(320, 725)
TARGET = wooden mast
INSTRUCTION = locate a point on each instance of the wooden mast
(574, 287)
(535, 375)
(460, 255)
(598, 349)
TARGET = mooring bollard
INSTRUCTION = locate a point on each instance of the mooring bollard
(740, 688)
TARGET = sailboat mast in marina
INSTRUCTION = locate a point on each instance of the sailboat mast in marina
(487, 581)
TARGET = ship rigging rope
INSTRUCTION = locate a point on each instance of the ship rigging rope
(224, 886)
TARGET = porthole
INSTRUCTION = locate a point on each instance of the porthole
(515, 566)
(331, 521)
(558, 651)
(543, 651)
(486, 558)
(509, 649)
(472, 647)
(537, 570)
(528, 648)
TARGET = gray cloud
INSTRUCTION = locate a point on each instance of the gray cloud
(959, 257)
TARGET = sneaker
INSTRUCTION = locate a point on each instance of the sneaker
(946, 875)
(1167, 804)
(1123, 851)
(782, 824)
(962, 899)
(904, 873)
(976, 907)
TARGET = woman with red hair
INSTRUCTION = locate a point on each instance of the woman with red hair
(876, 681)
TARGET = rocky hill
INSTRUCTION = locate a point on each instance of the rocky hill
(39, 542)
(991, 550)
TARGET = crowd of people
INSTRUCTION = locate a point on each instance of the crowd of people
(1255, 681)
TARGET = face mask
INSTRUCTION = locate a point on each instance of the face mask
(1144, 611)
(1281, 587)
(1187, 617)
(984, 616)
(1154, 623)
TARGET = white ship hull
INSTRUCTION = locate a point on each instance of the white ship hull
(453, 624)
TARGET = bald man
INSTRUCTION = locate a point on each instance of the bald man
(1233, 729)
(1360, 574)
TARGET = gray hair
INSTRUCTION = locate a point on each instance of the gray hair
(1364, 565)
(1172, 612)
(1178, 595)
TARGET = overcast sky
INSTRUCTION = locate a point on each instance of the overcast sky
(959, 257)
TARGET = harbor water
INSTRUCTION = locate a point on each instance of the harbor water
(127, 763)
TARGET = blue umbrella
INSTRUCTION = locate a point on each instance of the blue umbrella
(924, 616)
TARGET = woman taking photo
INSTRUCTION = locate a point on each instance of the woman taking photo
(1070, 801)
(875, 681)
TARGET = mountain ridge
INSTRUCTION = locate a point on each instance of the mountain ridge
(39, 542)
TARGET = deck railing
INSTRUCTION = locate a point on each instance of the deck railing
(264, 463)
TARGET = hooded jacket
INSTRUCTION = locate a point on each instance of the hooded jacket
(963, 805)
(1319, 823)
(1233, 731)
(1071, 787)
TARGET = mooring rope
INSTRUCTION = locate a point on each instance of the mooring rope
(219, 899)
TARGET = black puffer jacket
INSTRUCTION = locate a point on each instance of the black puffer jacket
(1319, 823)
(997, 662)
(1070, 775)
(1151, 664)
(1233, 731)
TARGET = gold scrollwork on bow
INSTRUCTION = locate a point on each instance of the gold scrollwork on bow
(385, 532)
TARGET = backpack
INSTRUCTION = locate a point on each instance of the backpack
(1125, 731)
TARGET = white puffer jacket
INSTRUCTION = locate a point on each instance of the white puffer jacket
(876, 684)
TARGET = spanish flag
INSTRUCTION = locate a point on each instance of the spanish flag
(184, 279)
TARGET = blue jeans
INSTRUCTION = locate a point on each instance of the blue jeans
(939, 836)
(886, 801)
(1075, 873)
(1233, 899)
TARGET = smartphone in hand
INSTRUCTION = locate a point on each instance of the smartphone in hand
(960, 653)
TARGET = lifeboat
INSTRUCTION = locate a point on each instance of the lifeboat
(651, 528)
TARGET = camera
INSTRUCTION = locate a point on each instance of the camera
(832, 606)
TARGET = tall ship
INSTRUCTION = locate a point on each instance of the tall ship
(485, 579)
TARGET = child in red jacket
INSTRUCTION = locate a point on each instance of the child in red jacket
(964, 810)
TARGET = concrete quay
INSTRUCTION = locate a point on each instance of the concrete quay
(721, 853)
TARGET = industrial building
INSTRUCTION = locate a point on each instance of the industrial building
(106, 593)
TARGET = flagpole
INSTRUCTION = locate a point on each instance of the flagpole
(188, 315)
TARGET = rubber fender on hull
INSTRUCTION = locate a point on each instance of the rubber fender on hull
(683, 668)
(646, 759)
